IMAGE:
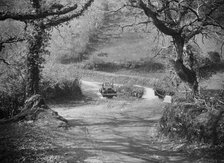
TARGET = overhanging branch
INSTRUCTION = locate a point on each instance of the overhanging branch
(134, 24)
(9, 41)
(158, 23)
(4, 61)
(41, 15)
(59, 20)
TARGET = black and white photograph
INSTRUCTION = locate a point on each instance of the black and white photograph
(111, 81)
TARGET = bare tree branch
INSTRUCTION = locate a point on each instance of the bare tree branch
(193, 11)
(158, 23)
(222, 47)
(135, 24)
(119, 9)
(4, 61)
(9, 41)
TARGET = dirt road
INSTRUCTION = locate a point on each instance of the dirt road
(116, 131)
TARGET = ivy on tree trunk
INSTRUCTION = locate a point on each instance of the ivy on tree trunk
(34, 60)
(40, 20)
(183, 20)
(186, 74)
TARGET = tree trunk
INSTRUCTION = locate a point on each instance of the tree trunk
(187, 75)
(34, 61)
(32, 86)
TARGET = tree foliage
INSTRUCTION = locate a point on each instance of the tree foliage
(183, 20)
(40, 16)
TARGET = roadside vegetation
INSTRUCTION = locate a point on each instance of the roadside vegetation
(130, 91)
(198, 122)
(61, 89)
(144, 65)
(45, 52)
(12, 101)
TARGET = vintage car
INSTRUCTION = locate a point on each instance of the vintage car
(108, 90)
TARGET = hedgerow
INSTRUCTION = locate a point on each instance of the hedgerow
(200, 120)
(130, 91)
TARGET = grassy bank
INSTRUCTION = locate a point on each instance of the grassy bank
(121, 77)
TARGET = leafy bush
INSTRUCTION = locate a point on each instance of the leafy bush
(99, 64)
(148, 65)
(12, 91)
(12, 99)
(166, 86)
(101, 54)
(201, 121)
(62, 89)
(130, 91)
(210, 68)
(214, 56)
(10, 104)
(68, 59)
